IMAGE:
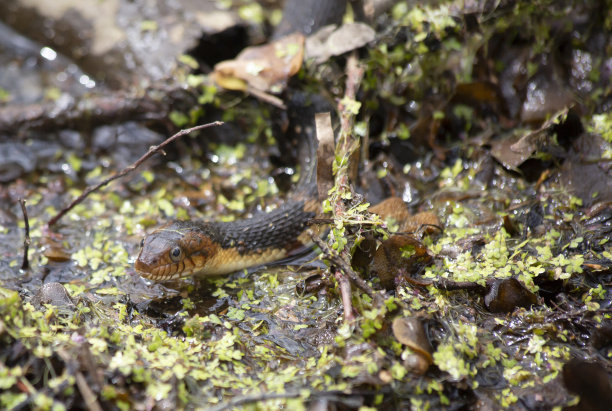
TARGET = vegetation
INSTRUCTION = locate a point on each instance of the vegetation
(445, 92)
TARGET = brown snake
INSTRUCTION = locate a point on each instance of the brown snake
(184, 248)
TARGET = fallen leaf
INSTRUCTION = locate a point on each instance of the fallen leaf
(395, 208)
(331, 41)
(399, 255)
(410, 332)
(514, 150)
(504, 296)
(265, 68)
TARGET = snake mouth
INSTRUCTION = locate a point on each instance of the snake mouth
(160, 273)
(161, 277)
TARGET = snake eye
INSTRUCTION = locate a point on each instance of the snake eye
(175, 254)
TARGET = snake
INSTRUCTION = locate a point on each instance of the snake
(180, 249)
(183, 248)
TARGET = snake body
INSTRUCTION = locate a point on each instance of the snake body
(184, 248)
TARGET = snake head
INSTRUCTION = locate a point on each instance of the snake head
(174, 250)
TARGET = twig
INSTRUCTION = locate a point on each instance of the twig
(347, 146)
(333, 395)
(345, 291)
(267, 98)
(325, 154)
(448, 285)
(26, 241)
(128, 169)
(91, 401)
(247, 399)
(347, 143)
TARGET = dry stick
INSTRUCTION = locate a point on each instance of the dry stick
(128, 169)
(26, 241)
(91, 401)
(325, 155)
(333, 395)
(448, 285)
(347, 145)
(247, 399)
(345, 292)
(347, 141)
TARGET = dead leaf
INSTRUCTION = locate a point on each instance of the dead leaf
(503, 296)
(425, 222)
(54, 250)
(331, 41)
(515, 150)
(399, 255)
(410, 332)
(395, 208)
(265, 68)
(392, 207)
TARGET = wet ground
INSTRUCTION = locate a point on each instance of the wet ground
(495, 120)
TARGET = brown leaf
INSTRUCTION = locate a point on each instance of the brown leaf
(392, 207)
(395, 208)
(504, 296)
(398, 255)
(264, 68)
(410, 332)
(591, 382)
(425, 222)
(512, 151)
(54, 250)
(331, 41)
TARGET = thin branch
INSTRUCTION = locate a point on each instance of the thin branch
(90, 398)
(333, 395)
(448, 285)
(26, 241)
(91, 401)
(325, 154)
(267, 98)
(345, 292)
(247, 399)
(128, 169)
(347, 146)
